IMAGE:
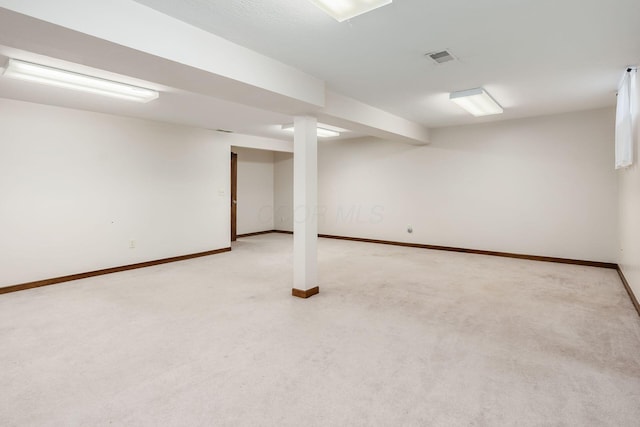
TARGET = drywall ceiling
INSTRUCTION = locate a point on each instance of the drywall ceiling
(173, 106)
(534, 57)
(188, 96)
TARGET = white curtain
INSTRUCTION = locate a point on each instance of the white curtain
(627, 119)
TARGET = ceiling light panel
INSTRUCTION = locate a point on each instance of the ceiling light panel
(70, 80)
(477, 102)
(321, 132)
(341, 10)
(327, 133)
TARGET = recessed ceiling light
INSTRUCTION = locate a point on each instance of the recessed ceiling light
(341, 10)
(476, 101)
(70, 80)
(322, 132)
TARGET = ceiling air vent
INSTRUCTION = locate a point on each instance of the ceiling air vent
(441, 57)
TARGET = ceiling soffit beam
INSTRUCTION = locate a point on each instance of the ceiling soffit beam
(359, 117)
(210, 66)
(37, 41)
(132, 25)
(258, 142)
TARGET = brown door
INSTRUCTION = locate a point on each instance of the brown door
(234, 195)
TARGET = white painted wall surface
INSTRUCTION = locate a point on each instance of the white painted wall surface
(76, 187)
(255, 190)
(283, 191)
(629, 221)
(539, 186)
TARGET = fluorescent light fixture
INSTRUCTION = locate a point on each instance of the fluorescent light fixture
(70, 80)
(476, 101)
(341, 10)
(322, 132)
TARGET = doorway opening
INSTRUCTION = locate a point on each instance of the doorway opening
(234, 196)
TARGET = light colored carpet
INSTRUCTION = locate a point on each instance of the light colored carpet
(397, 336)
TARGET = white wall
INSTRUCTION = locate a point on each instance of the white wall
(283, 191)
(539, 186)
(255, 190)
(76, 187)
(629, 221)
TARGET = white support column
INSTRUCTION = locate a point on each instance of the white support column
(305, 204)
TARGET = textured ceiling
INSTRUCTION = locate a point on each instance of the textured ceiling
(534, 57)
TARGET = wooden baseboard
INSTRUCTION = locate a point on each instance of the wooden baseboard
(632, 296)
(310, 292)
(305, 294)
(47, 282)
(599, 264)
(470, 251)
(257, 233)
(478, 252)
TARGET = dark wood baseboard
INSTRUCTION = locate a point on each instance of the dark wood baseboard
(282, 231)
(478, 252)
(257, 233)
(494, 253)
(305, 294)
(47, 282)
(469, 251)
(632, 296)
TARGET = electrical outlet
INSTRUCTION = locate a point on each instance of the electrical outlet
(132, 244)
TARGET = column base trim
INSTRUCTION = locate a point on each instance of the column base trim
(305, 294)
